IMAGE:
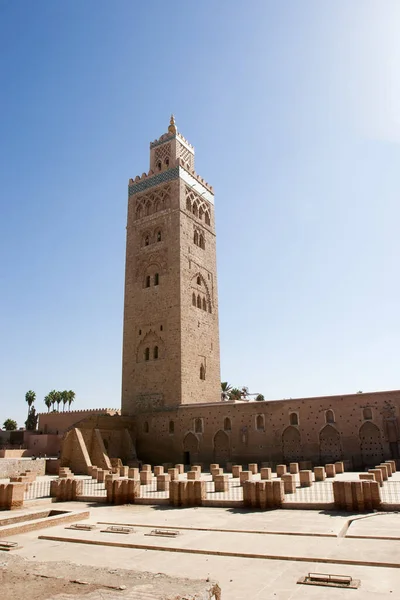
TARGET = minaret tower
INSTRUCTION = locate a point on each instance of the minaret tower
(171, 338)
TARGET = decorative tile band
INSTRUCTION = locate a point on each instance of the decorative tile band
(163, 177)
(169, 175)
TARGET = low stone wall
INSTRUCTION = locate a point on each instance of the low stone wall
(12, 467)
(8, 453)
(11, 495)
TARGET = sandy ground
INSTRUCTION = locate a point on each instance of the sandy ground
(47, 580)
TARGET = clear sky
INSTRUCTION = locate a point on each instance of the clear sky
(294, 111)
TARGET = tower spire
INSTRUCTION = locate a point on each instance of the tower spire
(172, 126)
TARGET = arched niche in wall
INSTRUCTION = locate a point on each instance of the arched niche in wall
(221, 447)
(190, 449)
(291, 444)
(330, 448)
(371, 444)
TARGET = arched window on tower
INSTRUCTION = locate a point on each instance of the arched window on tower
(188, 205)
(201, 213)
(147, 354)
(329, 416)
(194, 299)
(146, 240)
(195, 210)
(146, 427)
(207, 218)
(201, 242)
(198, 280)
(158, 236)
(155, 352)
(198, 426)
(198, 302)
(167, 161)
(196, 238)
(159, 165)
(293, 419)
(147, 280)
(156, 279)
(227, 424)
(202, 372)
(204, 304)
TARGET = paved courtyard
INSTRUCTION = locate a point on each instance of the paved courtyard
(252, 554)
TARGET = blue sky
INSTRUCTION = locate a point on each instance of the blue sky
(294, 111)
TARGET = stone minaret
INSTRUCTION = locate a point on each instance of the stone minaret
(171, 338)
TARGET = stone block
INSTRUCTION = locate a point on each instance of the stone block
(216, 472)
(330, 470)
(180, 468)
(158, 470)
(174, 474)
(383, 469)
(192, 475)
(236, 470)
(319, 473)
(281, 470)
(294, 468)
(146, 468)
(389, 467)
(278, 492)
(367, 476)
(289, 483)
(12, 495)
(339, 466)
(375, 494)
(266, 473)
(378, 475)
(253, 467)
(196, 468)
(145, 477)
(392, 464)
(338, 495)
(163, 482)
(214, 466)
(221, 483)
(123, 471)
(245, 476)
(200, 492)
(133, 473)
(306, 479)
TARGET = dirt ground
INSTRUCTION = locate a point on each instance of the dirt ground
(44, 580)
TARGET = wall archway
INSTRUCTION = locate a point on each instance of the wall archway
(371, 444)
(222, 449)
(330, 447)
(190, 449)
(291, 444)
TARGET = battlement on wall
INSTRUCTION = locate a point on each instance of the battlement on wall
(83, 411)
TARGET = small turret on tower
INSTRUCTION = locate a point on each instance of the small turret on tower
(165, 151)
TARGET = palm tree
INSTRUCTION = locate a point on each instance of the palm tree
(58, 400)
(53, 398)
(30, 399)
(64, 398)
(48, 402)
(225, 389)
(71, 398)
(235, 394)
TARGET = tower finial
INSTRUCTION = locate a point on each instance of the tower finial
(172, 126)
